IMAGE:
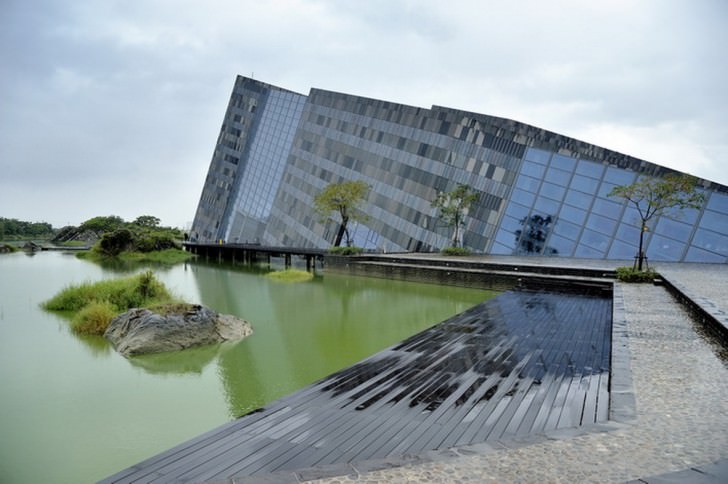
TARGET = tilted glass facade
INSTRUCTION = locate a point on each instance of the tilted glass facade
(245, 171)
(540, 193)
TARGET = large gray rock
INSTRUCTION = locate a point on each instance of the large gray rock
(140, 331)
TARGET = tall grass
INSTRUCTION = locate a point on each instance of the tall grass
(94, 318)
(93, 305)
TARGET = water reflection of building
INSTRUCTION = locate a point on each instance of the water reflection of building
(303, 332)
(277, 149)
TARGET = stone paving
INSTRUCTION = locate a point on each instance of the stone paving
(704, 284)
(680, 376)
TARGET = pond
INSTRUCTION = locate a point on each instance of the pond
(73, 410)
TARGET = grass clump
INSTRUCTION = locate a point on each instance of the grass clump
(630, 274)
(93, 305)
(457, 251)
(345, 250)
(290, 275)
(94, 318)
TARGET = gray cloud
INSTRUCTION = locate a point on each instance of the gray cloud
(114, 107)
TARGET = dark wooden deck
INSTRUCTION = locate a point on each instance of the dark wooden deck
(522, 363)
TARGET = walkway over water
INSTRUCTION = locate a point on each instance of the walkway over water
(247, 253)
(522, 363)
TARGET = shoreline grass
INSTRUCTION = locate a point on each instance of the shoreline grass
(166, 256)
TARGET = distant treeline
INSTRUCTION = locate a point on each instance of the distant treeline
(13, 229)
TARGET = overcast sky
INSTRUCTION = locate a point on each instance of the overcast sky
(113, 107)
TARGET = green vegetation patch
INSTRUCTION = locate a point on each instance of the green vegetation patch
(92, 306)
(7, 248)
(165, 257)
(94, 318)
(630, 274)
(457, 251)
(290, 275)
(345, 250)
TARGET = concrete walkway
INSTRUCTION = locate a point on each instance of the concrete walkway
(680, 375)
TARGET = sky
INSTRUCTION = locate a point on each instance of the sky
(114, 107)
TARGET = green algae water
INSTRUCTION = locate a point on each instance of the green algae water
(72, 410)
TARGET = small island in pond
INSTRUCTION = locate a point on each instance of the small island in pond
(138, 315)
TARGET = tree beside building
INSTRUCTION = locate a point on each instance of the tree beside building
(655, 196)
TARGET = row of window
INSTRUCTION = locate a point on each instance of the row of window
(560, 206)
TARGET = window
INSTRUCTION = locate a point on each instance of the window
(563, 162)
(604, 189)
(607, 208)
(673, 229)
(628, 233)
(588, 252)
(552, 191)
(698, 255)
(578, 199)
(538, 156)
(584, 184)
(590, 169)
(559, 177)
(595, 240)
(573, 214)
(601, 224)
(714, 221)
(561, 246)
(546, 206)
(662, 248)
(622, 250)
(712, 241)
(718, 202)
(527, 183)
(533, 169)
(619, 176)
(523, 197)
(567, 229)
(517, 211)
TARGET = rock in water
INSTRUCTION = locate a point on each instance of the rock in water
(140, 331)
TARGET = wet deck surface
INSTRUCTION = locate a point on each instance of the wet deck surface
(521, 363)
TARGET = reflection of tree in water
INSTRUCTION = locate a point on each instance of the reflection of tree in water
(532, 238)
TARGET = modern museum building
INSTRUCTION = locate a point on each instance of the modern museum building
(539, 192)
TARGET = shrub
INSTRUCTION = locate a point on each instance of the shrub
(94, 318)
(345, 250)
(457, 251)
(113, 243)
(630, 274)
(154, 241)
